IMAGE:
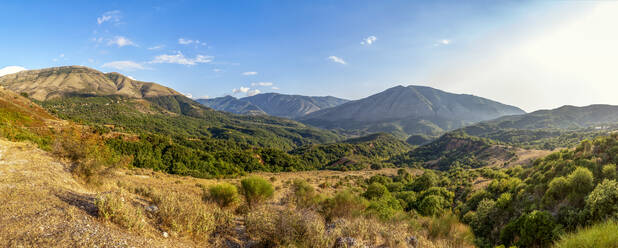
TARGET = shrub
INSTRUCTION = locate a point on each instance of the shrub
(537, 229)
(558, 189)
(256, 190)
(115, 207)
(384, 208)
(603, 235)
(304, 194)
(375, 191)
(287, 228)
(581, 182)
(344, 204)
(603, 200)
(448, 228)
(609, 171)
(432, 205)
(224, 194)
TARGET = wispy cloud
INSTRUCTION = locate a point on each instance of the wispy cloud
(217, 70)
(180, 59)
(263, 84)
(11, 69)
(157, 47)
(369, 40)
(125, 65)
(247, 91)
(120, 41)
(250, 73)
(336, 60)
(109, 16)
(442, 42)
(274, 88)
(183, 41)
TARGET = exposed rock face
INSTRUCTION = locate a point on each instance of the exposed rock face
(56, 82)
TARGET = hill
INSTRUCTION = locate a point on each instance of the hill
(456, 149)
(404, 111)
(168, 132)
(281, 105)
(548, 129)
(232, 105)
(50, 83)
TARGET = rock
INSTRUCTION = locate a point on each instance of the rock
(152, 208)
(412, 241)
(165, 234)
(344, 242)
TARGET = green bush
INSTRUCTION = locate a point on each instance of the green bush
(581, 182)
(609, 171)
(344, 204)
(375, 191)
(603, 200)
(537, 229)
(256, 190)
(223, 194)
(432, 205)
(384, 208)
(304, 195)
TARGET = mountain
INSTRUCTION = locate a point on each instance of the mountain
(162, 129)
(50, 83)
(233, 105)
(404, 111)
(292, 106)
(281, 105)
(548, 129)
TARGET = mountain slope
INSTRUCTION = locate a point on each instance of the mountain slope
(46, 84)
(287, 106)
(561, 127)
(232, 105)
(410, 110)
(292, 106)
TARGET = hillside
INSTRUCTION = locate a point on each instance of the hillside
(281, 105)
(404, 111)
(456, 149)
(548, 129)
(50, 83)
(232, 105)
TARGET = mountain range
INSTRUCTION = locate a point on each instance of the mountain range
(281, 105)
(405, 111)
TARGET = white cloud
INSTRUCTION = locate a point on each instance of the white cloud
(337, 60)
(189, 95)
(109, 16)
(217, 70)
(274, 88)
(11, 69)
(180, 59)
(124, 65)
(157, 47)
(241, 90)
(120, 41)
(369, 40)
(263, 84)
(183, 41)
(250, 73)
(442, 42)
(253, 92)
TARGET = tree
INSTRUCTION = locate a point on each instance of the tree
(432, 205)
(256, 190)
(581, 182)
(376, 191)
(609, 171)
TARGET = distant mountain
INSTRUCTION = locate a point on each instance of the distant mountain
(57, 82)
(548, 129)
(281, 105)
(405, 111)
(233, 105)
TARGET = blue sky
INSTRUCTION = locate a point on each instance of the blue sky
(349, 49)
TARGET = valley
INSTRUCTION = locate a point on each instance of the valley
(135, 164)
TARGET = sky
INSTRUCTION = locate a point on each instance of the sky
(531, 54)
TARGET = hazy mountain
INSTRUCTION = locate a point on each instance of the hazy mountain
(561, 127)
(288, 106)
(232, 104)
(56, 82)
(410, 110)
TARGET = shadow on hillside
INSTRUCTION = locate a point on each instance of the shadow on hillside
(83, 202)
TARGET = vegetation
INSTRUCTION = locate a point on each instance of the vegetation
(223, 194)
(599, 235)
(256, 190)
